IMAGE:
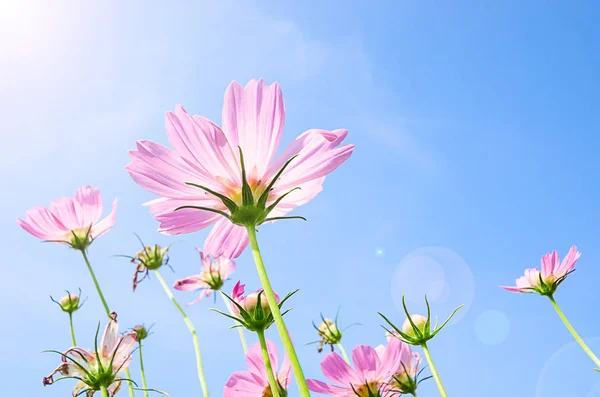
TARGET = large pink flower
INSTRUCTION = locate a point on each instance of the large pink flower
(98, 368)
(552, 274)
(211, 278)
(255, 382)
(208, 156)
(372, 374)
(71, 220)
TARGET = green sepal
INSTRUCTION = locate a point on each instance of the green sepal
(262, 200)
(229, 203)
(247, 196)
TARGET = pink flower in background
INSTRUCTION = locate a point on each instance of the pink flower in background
(254, 382)
(71, 220)
(206, 155)
(114, 354)
(211, 278)
(372, 373)
(546, 281)
(405, 380)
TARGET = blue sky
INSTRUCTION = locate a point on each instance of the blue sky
(475, 128)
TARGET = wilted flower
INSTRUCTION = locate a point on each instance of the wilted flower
(255, 382)
(552, 275)
(230, 177)
(98, 368)
(371, 375)
(74, 221)
(252, 311)
(211, 278)
(149, 258)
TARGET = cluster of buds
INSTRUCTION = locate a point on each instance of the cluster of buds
(69, 303)
(416, 329)
(252, 311)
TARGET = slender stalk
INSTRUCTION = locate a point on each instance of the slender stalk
(283, 332)
(268, 366)
(192, 331)
(240, 330)
(89, 266)
(87, 262)
(104, 391)
(142, 370)
(72, 330)
(343, 351)
(434, 372)
(585, 348)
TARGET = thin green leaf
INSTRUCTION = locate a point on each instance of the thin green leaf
(277, 218)
(226, 215)
(262, 200)
(272, 206)
(247, 197)
(229, 203)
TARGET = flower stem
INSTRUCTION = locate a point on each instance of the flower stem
(434, 372)
(574, 333)
(89, 266)
(192, 331)
(104, 391)
(283, 332)
(72, 330)
(142, 370)
(87, 262)
(343, 351)
(268, 366)
(240, 330)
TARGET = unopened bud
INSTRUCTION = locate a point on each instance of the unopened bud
(419, 321)
(69, 303)
(141, 332)
(329, 331)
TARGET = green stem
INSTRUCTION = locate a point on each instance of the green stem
(87, 262)
(574, 333)
(89, 266)
(343, 351)
(142, 370)
(240, 330)
(268, 366)
(104, 391)
(434, 372)
(192, 331)
(72, 330)
(283, 332)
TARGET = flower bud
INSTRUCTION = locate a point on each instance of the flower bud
(419, 321)
(152, 257)
(329, 331)
(250, 303)
(141, 332)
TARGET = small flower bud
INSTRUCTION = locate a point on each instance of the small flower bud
(419, 321)
(69, 303)
(141, 332)
(329, 331)
(250, 303)
(152, 257)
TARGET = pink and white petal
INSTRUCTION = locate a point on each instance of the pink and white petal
(285, 373)
(243, 384)
(110, 339)
(256, 364)
(226, 238)
(123, 349)
(380, 350)
(90, 201)
(114, 388)
(253, 118)
(513, 289)
(225, 265)
(185, 220)
(317, 386)
(191, 283)
(366, 362)
(547, 265)
(337, 370)
(523, 282)
(41, 223)
(70, 213)
(107, 223)
(79, 387)
(79, 353)
(568, 262)
(396, 353)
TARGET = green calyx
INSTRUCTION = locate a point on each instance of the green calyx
(416, 333)
(152, 257)
(253, 211)
(69, 303)
(80, 239)
(256, 318)
(549, 286)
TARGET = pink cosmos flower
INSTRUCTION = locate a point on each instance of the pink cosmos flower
(71, 220)
(207, 156)
(405, 380)
(211, 278)
(372, 373)
(255, 382)
(250, 301)
(553, 273)
(101, 368)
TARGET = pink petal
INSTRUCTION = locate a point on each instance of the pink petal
(238, 290)
(337, 370)
(90, 201)
(79, 353)
(256, 364)
(41, 223)
(253, 118)
(365, 362)
(243, 384)
(225, 237)
(547, 264)
(569, 262)
(512, 289)
(123, 348)
(109, 339)
(70, 213)
(321, 387)
(107, 223)
(396, 353)
(225, 265)
(285, 373)
(186, 220)
(192, 283)
(114, 388)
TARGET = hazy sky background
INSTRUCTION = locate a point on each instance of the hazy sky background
(475, 125)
